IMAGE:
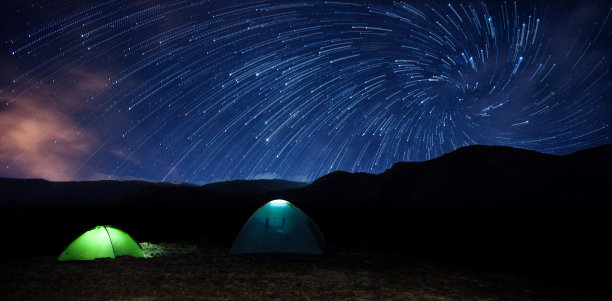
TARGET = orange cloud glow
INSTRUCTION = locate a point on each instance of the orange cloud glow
(39, 140)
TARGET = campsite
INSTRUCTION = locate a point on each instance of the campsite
(481, 223)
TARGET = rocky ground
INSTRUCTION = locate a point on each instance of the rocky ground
(184, 271)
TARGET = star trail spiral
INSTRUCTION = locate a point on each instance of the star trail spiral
(218, 90)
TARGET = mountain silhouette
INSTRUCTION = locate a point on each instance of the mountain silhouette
(247, 187)
(495, 206)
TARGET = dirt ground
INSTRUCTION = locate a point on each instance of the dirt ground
(183, 271)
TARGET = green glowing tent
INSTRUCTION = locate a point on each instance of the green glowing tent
(279, 228)
(101, 242)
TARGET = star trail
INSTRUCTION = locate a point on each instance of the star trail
(220, 90)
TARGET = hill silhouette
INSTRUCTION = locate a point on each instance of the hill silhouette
(247, 187)
(497, 207)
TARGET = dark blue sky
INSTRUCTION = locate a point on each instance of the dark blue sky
(209, 91)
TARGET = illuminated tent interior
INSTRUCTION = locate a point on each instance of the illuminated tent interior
(279, 228)
(101, 242)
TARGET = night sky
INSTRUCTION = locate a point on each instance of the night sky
(219, 90)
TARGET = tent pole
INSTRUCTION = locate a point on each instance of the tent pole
(111, 241)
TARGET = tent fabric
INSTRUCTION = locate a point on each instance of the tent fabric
(279, 228)
(101, 242)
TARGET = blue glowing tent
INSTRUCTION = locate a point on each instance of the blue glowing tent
(279, 228)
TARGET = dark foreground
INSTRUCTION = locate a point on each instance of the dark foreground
(205, 272)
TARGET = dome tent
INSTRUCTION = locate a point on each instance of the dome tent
(279, 228)
(101, 242)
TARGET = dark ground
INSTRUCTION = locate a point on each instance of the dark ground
(188, 272)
